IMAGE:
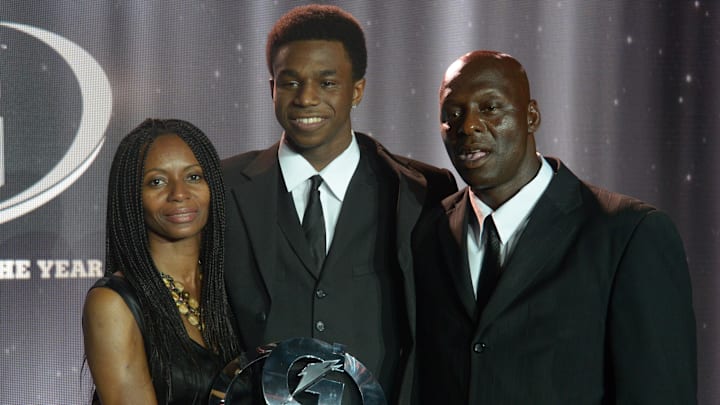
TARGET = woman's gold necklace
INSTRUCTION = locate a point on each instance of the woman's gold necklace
(186, 305)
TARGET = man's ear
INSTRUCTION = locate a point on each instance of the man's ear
(272, 88)
(533, 116)
(358, 91)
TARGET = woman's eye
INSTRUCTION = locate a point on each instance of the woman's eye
(195, 178)
(156, 182)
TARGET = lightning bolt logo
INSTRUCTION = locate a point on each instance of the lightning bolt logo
(314, 372)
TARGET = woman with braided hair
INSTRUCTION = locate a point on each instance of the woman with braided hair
(157, 327)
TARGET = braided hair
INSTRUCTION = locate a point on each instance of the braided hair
(127, 250)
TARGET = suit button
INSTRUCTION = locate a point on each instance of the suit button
(320, 293)
(320, 326)
(261, 317)
(479, 347)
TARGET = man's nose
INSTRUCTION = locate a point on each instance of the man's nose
(306, 95)
(473, 123)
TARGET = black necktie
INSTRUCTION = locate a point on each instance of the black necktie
(314, 223)
(490, 273)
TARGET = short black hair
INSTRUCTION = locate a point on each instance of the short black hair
(320, 22)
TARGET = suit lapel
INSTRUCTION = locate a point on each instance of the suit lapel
(410, 199)
(411, 194)
(553, 224)
(452, 231)
(345, 229)
(257, 199)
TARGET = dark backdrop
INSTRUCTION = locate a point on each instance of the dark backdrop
(627, 91)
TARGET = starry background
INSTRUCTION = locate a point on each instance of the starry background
(628, 94)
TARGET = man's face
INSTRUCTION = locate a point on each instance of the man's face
(487, 121)
(313, 91)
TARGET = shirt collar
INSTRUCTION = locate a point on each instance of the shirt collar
(514, 211)
(336, 175)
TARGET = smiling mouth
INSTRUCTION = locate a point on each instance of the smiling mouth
(181, 217)
(308, 120)
(308, 123)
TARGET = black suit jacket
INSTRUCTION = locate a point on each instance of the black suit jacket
(252, 226)
(593, 306)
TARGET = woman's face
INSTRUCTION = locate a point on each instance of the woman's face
(175, 195)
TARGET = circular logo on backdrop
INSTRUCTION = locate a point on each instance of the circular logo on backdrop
(96, 106)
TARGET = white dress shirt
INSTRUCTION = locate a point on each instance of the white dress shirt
(510, 219)
(336, 178)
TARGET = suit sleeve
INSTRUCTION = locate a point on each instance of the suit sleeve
(441, 184)
(651, 325)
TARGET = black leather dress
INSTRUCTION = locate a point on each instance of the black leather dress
(190, 381)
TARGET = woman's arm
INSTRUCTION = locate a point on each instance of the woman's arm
(115, 351)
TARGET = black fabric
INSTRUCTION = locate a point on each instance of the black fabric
(314, 222)
(594, 306)
(490, 271)
(357, 296)
(190, 381)
(264, 259)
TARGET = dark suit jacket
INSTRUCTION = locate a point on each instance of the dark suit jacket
(593, 306)
(252, 231)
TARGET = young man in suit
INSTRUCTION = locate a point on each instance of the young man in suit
(355, 286)
(534, 287)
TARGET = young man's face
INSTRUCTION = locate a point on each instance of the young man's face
(313, 92)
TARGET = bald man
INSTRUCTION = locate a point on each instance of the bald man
(534, 287)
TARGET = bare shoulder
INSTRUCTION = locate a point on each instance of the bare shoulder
(107, 316)
(105, 302)
(115, 350)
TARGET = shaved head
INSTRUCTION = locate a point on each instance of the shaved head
(484, 59)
